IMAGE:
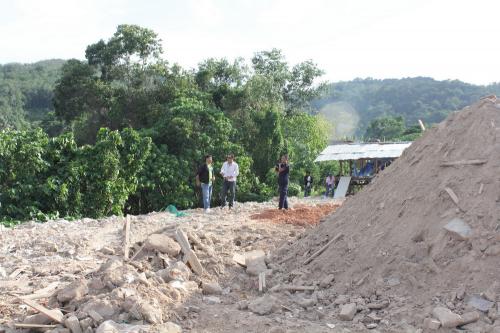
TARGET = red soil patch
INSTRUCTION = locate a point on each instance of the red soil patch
(298, 215)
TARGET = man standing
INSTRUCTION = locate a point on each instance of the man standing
(205, 177)
(308, 181)
(330, 184)
(283, 169)
(230, 170)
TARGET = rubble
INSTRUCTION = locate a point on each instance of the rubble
(447, 318)
(263, 305)
(164, 244)
(347, 312)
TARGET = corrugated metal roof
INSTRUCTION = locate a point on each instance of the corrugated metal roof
(355, 151)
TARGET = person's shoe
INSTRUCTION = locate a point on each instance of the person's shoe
(207, 211)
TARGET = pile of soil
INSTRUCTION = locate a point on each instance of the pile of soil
(390, 241)
(298, 215)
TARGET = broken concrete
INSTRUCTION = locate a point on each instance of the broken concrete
(447, 318)
(163, 244)
(263, 305)
(75, 290)
(347, 312)
(211, 288)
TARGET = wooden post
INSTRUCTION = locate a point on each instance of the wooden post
(127, 237)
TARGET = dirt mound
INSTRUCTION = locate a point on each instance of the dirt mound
(391, 245)
(299, 215)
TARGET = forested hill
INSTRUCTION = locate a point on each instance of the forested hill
(351, 105)
(26, 92)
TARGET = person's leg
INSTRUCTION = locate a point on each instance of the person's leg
(285, 196)
(204, 192)
(224, 193)
(232, 193)
(282, 196)
(210, 187)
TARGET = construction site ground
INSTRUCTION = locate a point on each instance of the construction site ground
(42, 261)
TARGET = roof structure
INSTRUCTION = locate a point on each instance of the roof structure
(356, 151)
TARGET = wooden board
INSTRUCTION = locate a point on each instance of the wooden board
(342, 187)
(54, 315)
(127, 237)
(20, 325)
(190, 257)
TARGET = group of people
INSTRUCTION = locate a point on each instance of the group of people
(329, 184)
(205, 178)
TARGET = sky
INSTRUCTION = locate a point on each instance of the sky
(443, 39)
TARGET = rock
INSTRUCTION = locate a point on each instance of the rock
(168, 327)
(447, 318)
(458, 228)
(162, 243)
(3, 273)
(150, 313)
(178, 271)
(242, 305)
(431, 324)
(470, 317)
(211, 288)
(347, 312)
(104, 308)
(371, 326)
(493, 250)
(212, 300)
(75, 290)
(461, 292)
(73, 324)
(327, 280)
(86, 323)
(256, 265)
(490, 294)
(493, 314)
(479, 303)
(111, 265)
(341, 299)
(306, 302)
(110, 326)
(40, 318)
(107, 250)
(263, 305)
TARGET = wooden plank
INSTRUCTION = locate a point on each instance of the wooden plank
(191, 257)
(452, 195)
(138, 251)
(481, 187)
(342, 187)
(54, 315)
(21, 325)
(463, 162)
(127, 237)
(43, 293)
(317, 253)
(421, 125)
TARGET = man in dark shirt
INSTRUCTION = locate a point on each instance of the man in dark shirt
(308, 181)
(205, 177)
(283, 169)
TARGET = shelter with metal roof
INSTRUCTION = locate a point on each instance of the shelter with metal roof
(356, 151)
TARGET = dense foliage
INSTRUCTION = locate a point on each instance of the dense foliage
(101, 166)
(411, 98)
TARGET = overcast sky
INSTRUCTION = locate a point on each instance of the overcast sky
(444, 39)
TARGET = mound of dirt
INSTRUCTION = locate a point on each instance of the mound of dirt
(425, 233)
(299, 215)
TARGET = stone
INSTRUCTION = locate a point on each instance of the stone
(306, 302)
(447, 318)
(242, 305)
(341, 299)
(163, 243)
(347, 312)
(107, 250)
(263, 305)
(73, 324)
(168, 327)
(458, 228)
(493, 250)
(3, 273)
(103, 308)
(178, 271)
(431, 324)
(479, 303)
(144, 310)
(470, 317)
(371, 326)
(110, 265)
(40, 318)
(86, 323)
(256, 265)
(110, 326)
(212, 300)
(211, 288)
(327, 280)
(74, 290)
(461, 292)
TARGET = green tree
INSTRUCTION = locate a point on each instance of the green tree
(386, 128)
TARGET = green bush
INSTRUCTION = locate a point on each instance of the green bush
(294, 189)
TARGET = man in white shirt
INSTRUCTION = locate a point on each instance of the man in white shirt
(229, 171)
